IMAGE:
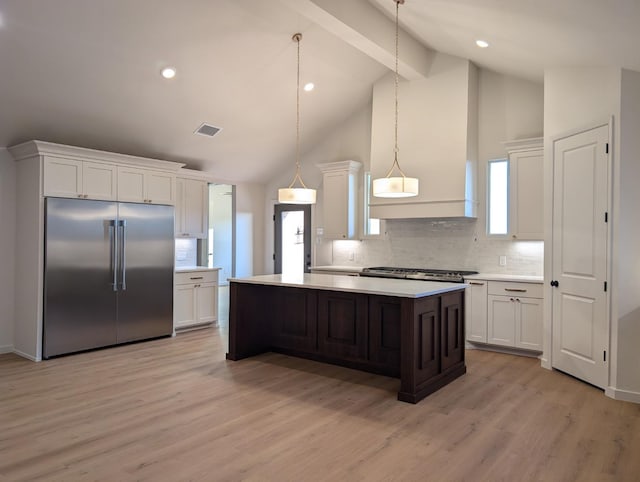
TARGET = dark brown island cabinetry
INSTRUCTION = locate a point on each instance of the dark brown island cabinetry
(420, 340)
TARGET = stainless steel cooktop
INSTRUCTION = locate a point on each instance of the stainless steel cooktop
(445, 275)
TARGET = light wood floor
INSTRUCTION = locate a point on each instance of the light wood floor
(174, 410)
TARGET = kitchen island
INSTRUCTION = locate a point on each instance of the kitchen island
(413, 330)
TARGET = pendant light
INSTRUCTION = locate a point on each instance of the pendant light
(291, 194)
(395, 186)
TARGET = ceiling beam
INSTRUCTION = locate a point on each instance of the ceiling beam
(363, 26)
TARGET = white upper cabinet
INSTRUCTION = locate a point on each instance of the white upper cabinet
(437, 140)
(146, 186)
(526, 173)
(339, 204)
(79, 179)
(192, 208)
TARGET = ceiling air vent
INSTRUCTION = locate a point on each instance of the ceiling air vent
(207, 130)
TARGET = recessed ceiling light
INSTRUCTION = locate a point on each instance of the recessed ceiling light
(483, 44)
(308, 87)
(168, 72)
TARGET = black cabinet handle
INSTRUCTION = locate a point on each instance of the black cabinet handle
(555, 283)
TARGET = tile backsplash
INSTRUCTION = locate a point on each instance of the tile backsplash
(439, 243)
(186, 252)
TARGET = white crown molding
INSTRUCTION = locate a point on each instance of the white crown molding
(352, 166)
(523, 144)
(38, 148)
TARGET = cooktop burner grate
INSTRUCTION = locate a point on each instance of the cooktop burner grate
(451, 276)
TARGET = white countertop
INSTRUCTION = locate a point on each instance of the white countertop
(195, 268)
(377, 286)
(338, 268)
(506, 277)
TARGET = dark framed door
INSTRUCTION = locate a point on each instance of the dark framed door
(292, 242)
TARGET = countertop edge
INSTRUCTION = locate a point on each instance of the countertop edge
(347, 284)
(186, 269)
(516, 278)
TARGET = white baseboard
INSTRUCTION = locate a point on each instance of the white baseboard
(623, 395)
(6, 349)
(500, 349)
(25, 355)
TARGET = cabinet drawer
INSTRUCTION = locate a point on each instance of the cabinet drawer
(509, 288)
(190, 277)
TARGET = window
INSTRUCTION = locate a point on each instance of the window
(498, 197)
(372, 226)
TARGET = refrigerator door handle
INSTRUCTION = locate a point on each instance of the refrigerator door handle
(123, 255)
(113, 240)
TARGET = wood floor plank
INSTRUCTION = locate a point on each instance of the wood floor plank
(175, 409)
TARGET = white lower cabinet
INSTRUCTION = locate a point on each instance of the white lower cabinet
(195, 300)
(501, 321)
(476, 311)
(512, 314)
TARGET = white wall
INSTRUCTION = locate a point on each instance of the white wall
(509, 109)
(577, 98)
(628, 236)
(7, 248)
(250, 229)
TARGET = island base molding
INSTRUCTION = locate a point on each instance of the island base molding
(419, 340)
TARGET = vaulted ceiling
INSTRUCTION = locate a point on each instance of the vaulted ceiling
(87, 72)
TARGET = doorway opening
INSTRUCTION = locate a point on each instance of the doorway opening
(220, 240)
(292, 255)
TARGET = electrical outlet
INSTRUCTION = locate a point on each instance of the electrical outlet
(503, 260)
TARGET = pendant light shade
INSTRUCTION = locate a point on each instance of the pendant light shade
(302, 194)
(395, 187)
(297, 195)
(398, 185)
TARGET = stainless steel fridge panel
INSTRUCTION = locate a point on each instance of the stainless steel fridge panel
(145, 296)
(79, 299)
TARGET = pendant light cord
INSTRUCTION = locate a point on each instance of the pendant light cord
(297, 37)
(396, 164)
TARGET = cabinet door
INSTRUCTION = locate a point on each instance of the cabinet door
(342, 324)
(160, 187)
(384, 333)
(99, 181)
(501, 320)
(184, 306)
(294, 315)
(131, 184)
(529, 323)
(196, 208)
(476, 311)
(207, 303)
(336, 205)
(62, 177)
(527, 190)
(452, 329)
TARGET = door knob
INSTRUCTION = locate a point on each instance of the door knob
(555, 283)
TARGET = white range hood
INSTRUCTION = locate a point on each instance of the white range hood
(437, 140)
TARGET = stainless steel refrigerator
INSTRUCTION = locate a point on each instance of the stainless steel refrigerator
(108, 274)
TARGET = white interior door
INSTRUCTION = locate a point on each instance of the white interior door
(580, 203)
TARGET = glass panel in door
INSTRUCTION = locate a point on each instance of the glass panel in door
(292, 239)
